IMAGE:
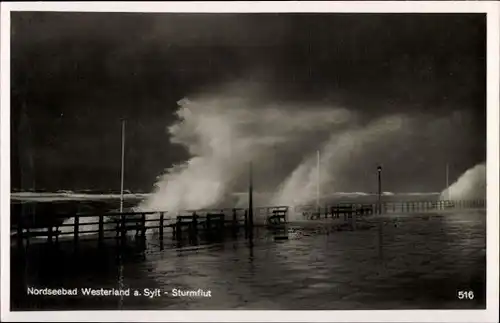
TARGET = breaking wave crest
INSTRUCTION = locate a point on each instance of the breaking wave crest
(471, 185)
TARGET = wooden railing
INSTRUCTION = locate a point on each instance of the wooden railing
(120, 225)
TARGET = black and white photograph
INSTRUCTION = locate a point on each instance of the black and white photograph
(249, 161)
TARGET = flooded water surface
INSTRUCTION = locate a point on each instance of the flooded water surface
(411, 261)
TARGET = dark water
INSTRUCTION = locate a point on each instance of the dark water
(425, 260)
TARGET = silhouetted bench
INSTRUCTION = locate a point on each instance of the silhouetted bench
(364, 209)
(278, 216)
(311, 215)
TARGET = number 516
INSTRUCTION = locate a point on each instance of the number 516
(465, 294)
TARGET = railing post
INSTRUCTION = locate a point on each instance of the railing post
(160, 227)
(178, 225)
(246, 220)
(101, 229)
(143, 225)
(123, 228)
(76, 229)
(195, 225)
(209, 222)
(49, 234)
(235, 219)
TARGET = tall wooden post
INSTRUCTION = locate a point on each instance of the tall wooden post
(318, 183)
(447, 182)
(122, 166)
(380, 222)
(250, 199)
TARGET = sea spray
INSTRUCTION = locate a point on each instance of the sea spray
(340, 149)
(223, 135)
(224, 130)
(471, 185)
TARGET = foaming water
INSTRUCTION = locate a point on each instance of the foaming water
(340, 148)
(224, 136)
(226, 132)
(471, 185)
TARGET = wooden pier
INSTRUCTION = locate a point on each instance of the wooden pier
(208, 223)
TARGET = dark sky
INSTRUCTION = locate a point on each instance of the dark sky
(75, 75)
